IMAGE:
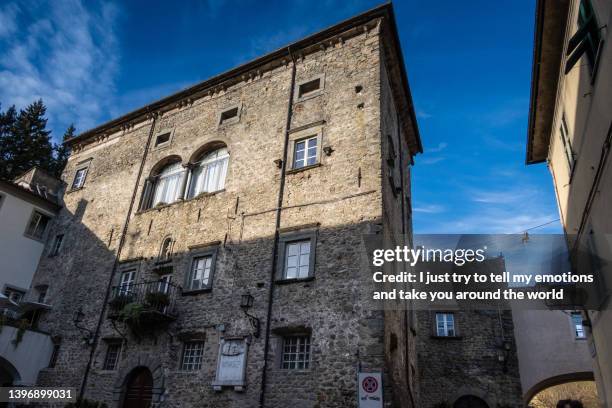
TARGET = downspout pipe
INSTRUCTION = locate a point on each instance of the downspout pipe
(279, 206)
(109, 285)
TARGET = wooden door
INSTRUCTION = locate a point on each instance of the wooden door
(139, 390)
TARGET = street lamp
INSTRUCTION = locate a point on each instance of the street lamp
(246, 302)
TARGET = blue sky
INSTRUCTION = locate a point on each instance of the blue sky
(469, 66)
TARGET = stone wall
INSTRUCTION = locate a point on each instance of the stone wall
(338, 201)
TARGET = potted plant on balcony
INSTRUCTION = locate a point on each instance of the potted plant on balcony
(157, 299)
(118, 302)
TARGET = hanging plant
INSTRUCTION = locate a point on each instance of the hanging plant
(157, 299)
(131, 313)
(22, 325)
(120, 301)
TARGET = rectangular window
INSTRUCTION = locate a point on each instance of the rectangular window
(305, 152)
(162, 139)
(42, 293)
(297, 260)
(192, 356)
(296, 353)
(37, 225)
(79, 178)
(200, 272)
(57, 245)
(230, 115)
(567, 145)
(113, 351)
(14, 294)
(126, 282)
(587, 39)
(578, 327)
(445, 325)
(309, 88)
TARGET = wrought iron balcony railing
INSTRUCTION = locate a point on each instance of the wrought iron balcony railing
(155, 299)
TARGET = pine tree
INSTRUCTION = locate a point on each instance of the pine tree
(28, 143)
(7, 124)
(62, 152)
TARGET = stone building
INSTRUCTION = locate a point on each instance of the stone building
(212, 239)
(570, 128)
(468, 358)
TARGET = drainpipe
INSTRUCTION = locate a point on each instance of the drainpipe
(109, 285)
(279, 206)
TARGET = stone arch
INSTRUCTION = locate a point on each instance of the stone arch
(174, 158)
(8, 372)
(208, 147)
(465, 391)
(135, 363)
(557, 380)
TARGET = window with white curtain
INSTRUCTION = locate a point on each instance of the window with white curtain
(209, 172)
(168, 184)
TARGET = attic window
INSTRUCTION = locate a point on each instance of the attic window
(230, 115)
(162, 139)
(309, 88)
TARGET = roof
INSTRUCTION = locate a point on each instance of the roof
(384, 11)
(550, 24)
(35, 196)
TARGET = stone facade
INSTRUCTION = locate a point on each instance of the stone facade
(359, 185)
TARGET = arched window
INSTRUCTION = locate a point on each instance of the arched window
(165, 186)
(168, 184)
(166, 249)
(208, 173)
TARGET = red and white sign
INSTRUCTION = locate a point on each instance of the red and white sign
(370, 390)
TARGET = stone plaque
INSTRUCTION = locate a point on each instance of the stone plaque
(231, 363)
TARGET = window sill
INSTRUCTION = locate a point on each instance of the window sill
(446, 337)
(195, 292)
(312, 166)
(186, 200)
(289, 281)
(228, 122)
(309, 96)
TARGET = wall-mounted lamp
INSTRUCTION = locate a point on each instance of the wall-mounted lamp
(246, 302)
(279, 163)
(88, 335)
(328, 150)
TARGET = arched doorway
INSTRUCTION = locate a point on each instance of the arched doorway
(139, 389)
(470, 401)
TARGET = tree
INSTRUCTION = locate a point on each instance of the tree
(25, 142)
(62, 152)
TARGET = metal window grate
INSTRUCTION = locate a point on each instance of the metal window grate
(296, 353)
(192, 356)
(112, 356)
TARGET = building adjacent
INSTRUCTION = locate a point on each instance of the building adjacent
(27, 206)
(212, 246)
(570, 128)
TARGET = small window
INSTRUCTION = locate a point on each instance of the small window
(296, 353)
(57, 245)
(230, 115)
(54, 355)
(305, 152)
(37, 225)
(14, 294)
(192, 356)
(209, 173)
(578, 327)
(113, 351)
(201, 272)
(309, 88)
(166, 249)
(567, 145)
(126, 282)
(297, 260)
(445, 325)
(42, 293)
(79, 178)
(162, 139)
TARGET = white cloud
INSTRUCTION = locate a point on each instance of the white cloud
(67, 55)
(8, 19)
(439, 148)
(421, 114)
(428, 209)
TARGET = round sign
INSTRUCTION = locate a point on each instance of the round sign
(370, 385)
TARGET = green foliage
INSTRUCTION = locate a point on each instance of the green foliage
(85, 403)
(131, 313)
(120, 301)
(157, 299)
(25, 142)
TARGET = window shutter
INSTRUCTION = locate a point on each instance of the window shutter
(146, 196)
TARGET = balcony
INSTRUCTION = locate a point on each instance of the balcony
(144, 304)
